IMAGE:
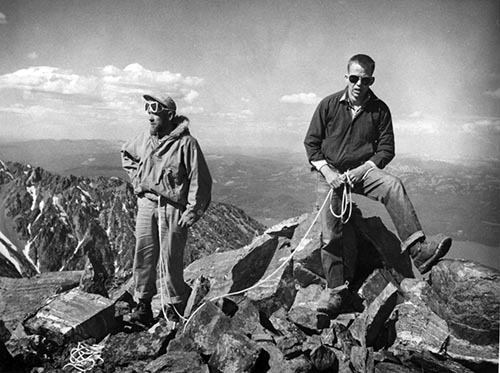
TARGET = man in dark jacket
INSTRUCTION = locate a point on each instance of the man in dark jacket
(173, 186)
(349, 141)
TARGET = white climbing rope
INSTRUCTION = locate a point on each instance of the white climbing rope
(85, 357)
(346, 202)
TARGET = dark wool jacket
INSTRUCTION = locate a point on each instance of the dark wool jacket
(172, 167)
(344, 142)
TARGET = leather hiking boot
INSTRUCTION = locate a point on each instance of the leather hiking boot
(334, 301)
(427, 253)
(142, 313)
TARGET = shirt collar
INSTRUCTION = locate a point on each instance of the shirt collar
(345, 98)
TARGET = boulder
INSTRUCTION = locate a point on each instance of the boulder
(289, 337)
(177, 362)
(235, 270)
(421, 332)
(234, 352)
(362, 359)
(6, 359)
(123, 348)
(388, 367)
(287, 227)
(471, 292)
(277, 285)
(303, 311)
(4, 332)
(307, 254)
(324, 359)
(276, 362)
(74, 316)
(247, 319)
(375, 284)
(23, 297)
(368, 326)
(205, 328)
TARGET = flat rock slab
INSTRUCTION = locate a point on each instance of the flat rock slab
(74, 316)
(22, 297)
(419, 330)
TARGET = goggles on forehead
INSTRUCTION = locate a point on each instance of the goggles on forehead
(367, 80)
(154, 107)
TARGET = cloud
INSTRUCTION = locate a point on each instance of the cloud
(301, 98)
(32, 55)
(418, 124)
(186, 110)
(233, 116)
(494, 94)
(490, 126)
(110, 86)
(3, 19)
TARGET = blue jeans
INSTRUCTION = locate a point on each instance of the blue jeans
(338, 240)
(147, 250)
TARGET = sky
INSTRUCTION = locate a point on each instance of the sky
(250, 73)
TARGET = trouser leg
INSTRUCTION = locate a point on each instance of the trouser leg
(146, 249)
(174, 240)
(338, 252)
(388, 189)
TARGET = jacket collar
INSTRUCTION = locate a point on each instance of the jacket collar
(180, 130)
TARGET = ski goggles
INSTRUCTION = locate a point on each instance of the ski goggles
(367, 80)
(154, 107)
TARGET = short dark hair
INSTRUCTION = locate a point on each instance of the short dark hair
(366, 61)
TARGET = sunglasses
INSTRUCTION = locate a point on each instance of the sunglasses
(154, 107)
(364, 81)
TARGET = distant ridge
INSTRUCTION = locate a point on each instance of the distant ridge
(52, 222)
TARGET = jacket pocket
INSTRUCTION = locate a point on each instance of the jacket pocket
(166, 184)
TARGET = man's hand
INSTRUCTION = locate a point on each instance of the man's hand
(356, 174)
(187, 219)
(332, 177)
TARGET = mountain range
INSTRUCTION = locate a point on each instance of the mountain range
(52, 222)
(457, 198)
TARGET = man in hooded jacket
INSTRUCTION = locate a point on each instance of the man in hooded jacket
(173, 186)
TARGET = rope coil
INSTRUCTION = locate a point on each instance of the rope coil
(346, 202)
(85, 357)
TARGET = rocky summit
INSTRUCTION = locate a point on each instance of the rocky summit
(65, 296)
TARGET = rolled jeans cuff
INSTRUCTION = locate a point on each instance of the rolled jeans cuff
(411, 240)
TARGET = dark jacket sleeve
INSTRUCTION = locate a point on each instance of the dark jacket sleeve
(385, 149)
(200, 180)
(315, 134)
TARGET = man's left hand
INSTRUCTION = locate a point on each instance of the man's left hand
(187, 220)
(357, 174)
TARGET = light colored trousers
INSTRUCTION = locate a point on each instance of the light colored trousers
(147, 250)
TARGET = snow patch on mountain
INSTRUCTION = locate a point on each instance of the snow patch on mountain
(5, 249)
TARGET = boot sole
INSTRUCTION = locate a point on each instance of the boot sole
(442, 250)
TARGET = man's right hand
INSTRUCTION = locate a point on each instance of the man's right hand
(332, 177)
